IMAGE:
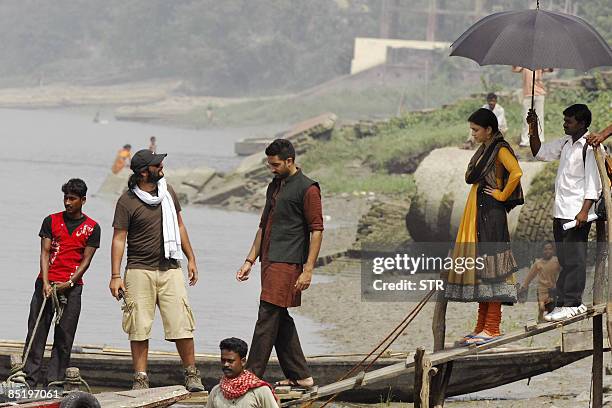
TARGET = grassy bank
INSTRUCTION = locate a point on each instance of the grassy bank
(382, 163)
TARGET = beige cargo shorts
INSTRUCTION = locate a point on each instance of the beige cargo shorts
(144, 290)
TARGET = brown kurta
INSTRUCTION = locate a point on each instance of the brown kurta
(278, 278)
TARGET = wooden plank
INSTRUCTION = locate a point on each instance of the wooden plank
(149, 398)
(199, 398)
(445, 356)
(577, 339)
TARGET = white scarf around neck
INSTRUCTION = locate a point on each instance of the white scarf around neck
(170, 228)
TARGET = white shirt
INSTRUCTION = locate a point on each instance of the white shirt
(577, 180)
(500, 113)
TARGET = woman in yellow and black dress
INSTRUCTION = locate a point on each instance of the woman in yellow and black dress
(483, 234)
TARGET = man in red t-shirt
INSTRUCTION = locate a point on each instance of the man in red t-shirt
(68, 241)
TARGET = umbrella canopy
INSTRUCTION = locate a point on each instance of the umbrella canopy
(534, 39)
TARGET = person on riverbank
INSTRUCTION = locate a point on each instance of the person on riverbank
(287, 243)
(546, 269)
(148, 215)
(483, 235)
(577, 187)
(153, 144)
(239, 387)
(538, 90)
(68, 242)
(123, 159)
(499, 112)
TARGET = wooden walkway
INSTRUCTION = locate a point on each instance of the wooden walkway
(441, 357)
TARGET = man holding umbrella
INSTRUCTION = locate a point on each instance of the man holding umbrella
(577, 187)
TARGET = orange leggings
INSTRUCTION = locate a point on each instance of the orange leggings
(489, 318)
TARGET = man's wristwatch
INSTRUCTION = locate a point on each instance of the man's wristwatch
(71, 282)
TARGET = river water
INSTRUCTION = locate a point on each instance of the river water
(43, 149)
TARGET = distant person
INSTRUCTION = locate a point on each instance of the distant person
(239, 388)
(209, 114)
(148, 215)
(494, 175)
(123, 159)
(499, 112)
(577, 187)
(153, 144)
(546, 269)
(539, 92)
(287, 243)
(68, 242)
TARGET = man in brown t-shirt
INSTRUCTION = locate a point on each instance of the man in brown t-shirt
(287, 243)
(148, 214)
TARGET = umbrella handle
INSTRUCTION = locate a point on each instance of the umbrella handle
(533, 88)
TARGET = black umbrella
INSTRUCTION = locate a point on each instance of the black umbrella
(534, 39)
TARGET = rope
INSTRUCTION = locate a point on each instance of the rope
(17, 374)
(71, 381)
(393, 335)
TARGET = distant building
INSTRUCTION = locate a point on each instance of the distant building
(371, 52)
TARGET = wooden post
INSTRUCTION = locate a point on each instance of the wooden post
(599, 279)
(605, 185)
(418, 377)
(438, 324)
(597, 371)
(439, 384)
(438, 327)
(423, 371)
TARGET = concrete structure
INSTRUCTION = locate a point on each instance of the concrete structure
(370, 52)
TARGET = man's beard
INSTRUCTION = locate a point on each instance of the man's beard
(154, 178)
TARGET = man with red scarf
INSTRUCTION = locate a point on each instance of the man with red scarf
(68, 242)
(239, 388)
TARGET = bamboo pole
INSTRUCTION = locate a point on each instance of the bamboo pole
(605, 185)
(598, 284)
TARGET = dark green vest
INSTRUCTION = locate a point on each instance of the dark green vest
(289, 235)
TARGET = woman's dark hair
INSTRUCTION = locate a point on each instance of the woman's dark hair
(580, 112)
(485, 118)
(236, 345)
(133, 180)
(75, 186)
(281, 148)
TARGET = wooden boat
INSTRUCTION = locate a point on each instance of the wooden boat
(153, 397)
(488, 369)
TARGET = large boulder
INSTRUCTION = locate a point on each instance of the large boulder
(437, 207)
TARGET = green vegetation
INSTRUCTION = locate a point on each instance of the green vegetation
(348, 163)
